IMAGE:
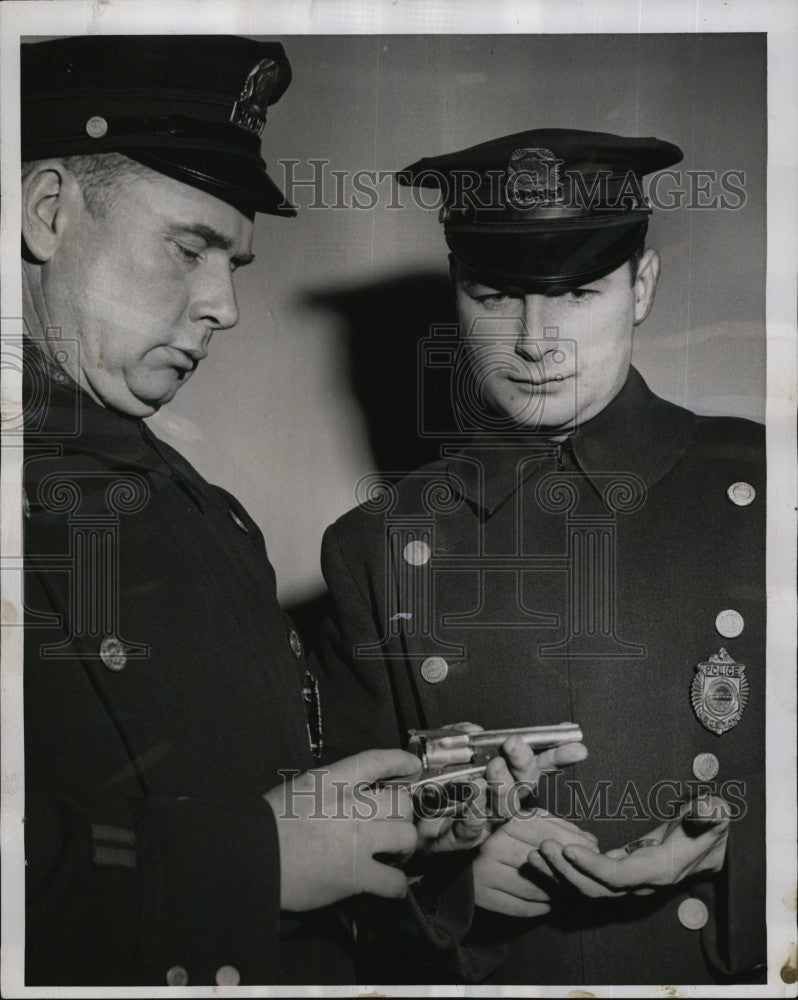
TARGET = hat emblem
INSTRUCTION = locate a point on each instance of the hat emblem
(533, 178)
(249, 111)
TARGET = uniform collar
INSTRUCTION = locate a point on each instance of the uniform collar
(58, 411)
(638, 432)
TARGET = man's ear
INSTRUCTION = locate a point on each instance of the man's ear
(50, 196)
(645, 286)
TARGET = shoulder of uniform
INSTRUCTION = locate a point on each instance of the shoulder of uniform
(382, 495)
(731, 432)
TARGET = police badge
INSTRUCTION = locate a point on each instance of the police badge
(533, 178)
(249, 111)
(719, 692)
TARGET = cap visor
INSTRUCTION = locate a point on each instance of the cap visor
(239, 180)
(547, 259)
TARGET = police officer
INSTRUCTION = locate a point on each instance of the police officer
(583, 551)
(175, 833)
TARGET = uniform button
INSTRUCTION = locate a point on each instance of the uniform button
(416, 553)
(692, 913)
(177, 976)
(295, 643)
(237, 521)
(706, 766)
(227, 976)
(741, 494)
(729, 623)
(60, 378)
(434, 669)
(112, 653)
(97, 126)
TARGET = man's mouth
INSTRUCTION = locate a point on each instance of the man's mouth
(183, 363)
(537, 382)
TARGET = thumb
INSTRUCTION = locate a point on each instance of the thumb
(372, 765)
(702, 813)
(568, 753)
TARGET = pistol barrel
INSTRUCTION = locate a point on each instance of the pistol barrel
(447, 747)
(537, 737)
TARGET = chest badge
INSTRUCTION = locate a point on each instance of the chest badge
(719, 692)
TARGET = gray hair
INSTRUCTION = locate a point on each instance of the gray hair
(99, 175)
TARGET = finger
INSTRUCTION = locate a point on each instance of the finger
(647, 865)
(511, 906)
(392, 802)
(499, 780)
(390, 838)
(504, 849)
(371, 765)
(564, 828)
(383, 880)
(472, 827)
(700, 813)
(508, 880)
(569, 753)
(580, 879)
(521, 760)
(537, 825)
(457, 838)
(431, 829)
(464, 727)
(536, 861)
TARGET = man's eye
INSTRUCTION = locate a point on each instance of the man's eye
(493, 299)
(184, 253)
(579, 294)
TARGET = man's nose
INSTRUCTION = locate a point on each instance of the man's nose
(214, 300)
(536, 337)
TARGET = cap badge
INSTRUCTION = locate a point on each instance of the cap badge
(249, 111)
(719, 692)
(533, 178)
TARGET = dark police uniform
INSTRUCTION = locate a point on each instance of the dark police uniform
(615, 579)
(163, 684)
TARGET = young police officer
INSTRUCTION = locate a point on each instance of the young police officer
(165, 690)
(583, 551)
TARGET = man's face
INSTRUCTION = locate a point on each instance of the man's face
(552, 361)
(144, 287)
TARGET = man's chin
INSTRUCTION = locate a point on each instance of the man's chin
(155, 396)
(540, 419)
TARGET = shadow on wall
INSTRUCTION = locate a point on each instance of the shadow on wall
(387, 324)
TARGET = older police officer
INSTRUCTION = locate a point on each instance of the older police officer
(584, 550)
(165, 690)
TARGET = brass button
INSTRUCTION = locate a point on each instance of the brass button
(416, 553)
(112, 653)
(741, 494)
(97, 126)
(434, 669)
(705, 766)
(692, 913)
(177, 976)
(227, 975)
(729, 623)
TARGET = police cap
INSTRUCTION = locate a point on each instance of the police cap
(189, 106)
(545, 208)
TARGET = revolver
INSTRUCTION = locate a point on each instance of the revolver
(451, 760)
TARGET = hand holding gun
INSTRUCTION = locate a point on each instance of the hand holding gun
(453, 760)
